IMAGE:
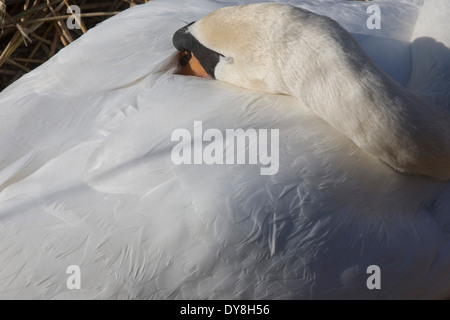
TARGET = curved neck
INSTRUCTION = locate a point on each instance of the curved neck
(358, 99)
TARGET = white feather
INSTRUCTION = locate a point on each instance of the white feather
(86, 179)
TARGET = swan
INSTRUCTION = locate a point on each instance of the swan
(87, 179)
(279, 48)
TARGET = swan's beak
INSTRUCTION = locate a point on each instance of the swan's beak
(195, 58)
(190, 66)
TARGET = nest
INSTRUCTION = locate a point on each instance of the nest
(32, 31)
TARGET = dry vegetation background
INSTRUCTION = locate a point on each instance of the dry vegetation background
(32, 31)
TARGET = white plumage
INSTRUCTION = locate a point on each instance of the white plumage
(86, 178)
(278, 48)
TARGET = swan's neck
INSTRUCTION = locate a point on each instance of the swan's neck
(351, 93)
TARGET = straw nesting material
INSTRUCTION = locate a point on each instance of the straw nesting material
(32, 31)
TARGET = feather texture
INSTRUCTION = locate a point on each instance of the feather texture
(86, 179)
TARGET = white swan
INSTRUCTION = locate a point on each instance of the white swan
(282, 49)
(86, 176)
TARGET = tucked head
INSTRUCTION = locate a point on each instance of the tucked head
(256, 46)
(278, 48)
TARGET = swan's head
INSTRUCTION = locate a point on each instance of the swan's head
(260, 46)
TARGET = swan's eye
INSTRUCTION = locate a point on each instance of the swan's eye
(185, 57)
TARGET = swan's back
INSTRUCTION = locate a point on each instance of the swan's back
(86, 179)
(430, 77)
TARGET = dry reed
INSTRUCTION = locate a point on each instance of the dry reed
(32, 31)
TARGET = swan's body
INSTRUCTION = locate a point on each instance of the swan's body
(282, 49)
(86, 178)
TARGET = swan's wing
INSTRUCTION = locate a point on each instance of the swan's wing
(87, 179)
(430, 53)
(432, 21)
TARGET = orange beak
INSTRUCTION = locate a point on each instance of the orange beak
(192, 67)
